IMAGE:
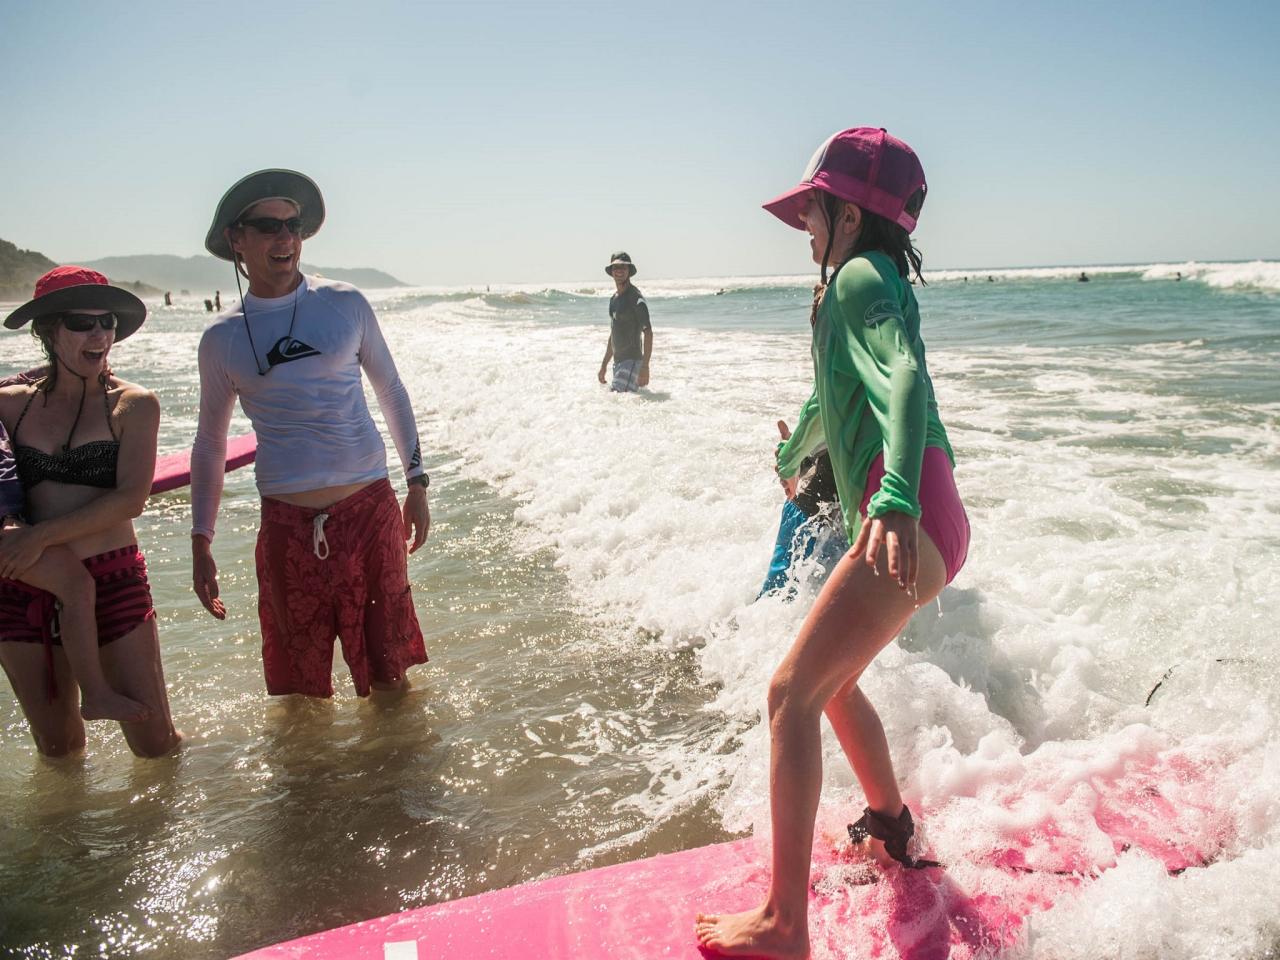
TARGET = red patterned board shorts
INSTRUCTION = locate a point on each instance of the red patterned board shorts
(122, 603)
(339, 571)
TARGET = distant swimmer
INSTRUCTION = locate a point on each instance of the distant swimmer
(628, 321)
(1178, 275)
(720, 292)
(217, 300)
(208, 306)
(990, 278)
(873, 403)
(168, 300)
(295, 352)
(1083, 278)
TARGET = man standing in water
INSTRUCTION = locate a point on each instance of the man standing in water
(331, 555)
(629, 316)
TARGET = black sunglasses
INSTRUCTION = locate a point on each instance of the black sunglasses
(84, 322)
(273, 225)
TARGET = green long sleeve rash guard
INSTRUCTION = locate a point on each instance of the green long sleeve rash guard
(872, 391)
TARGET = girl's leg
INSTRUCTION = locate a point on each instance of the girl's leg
(59, 572)
(55, 724)
(855, 616)
(132, 665)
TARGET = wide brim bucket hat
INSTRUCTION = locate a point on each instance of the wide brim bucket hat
(620, 259)
(864, 165)
(79, 288)
(275, 184)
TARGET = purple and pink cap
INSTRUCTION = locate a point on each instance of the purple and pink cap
(864, 165)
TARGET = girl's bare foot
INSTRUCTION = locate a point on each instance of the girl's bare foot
(756, 933)
(109, 705)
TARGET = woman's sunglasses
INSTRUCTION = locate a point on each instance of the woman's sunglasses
(84, 322)
(273, 225)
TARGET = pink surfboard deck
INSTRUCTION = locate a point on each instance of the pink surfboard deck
(174, 470)
(645, 910)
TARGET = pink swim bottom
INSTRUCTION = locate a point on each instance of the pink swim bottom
(942, 514)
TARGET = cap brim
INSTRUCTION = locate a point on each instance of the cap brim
(621, 263)
(788, 206)
(265, 185)
(129, 310)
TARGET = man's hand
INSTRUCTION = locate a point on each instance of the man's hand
(204, 576)
(788, 483)
(603, 369)
(20, 547)
(417, 516)
(643, 379)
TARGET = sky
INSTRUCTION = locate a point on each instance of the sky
(486, 142)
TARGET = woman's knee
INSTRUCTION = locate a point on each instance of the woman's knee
(62, 743)
(787, 698)
(151, 741)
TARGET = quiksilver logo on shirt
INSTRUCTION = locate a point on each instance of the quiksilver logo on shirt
(290, 348)
(880, 311)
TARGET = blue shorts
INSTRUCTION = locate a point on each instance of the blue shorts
(626, 376)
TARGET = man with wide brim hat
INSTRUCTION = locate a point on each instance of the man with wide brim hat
(628, 324)
(290, 185)
(69, 289)
(331, 556)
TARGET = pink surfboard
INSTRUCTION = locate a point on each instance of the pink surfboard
(174, 470)
(645, 910)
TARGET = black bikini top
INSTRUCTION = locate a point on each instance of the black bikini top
(91, 464)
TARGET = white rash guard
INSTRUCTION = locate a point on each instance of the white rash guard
(313, 425)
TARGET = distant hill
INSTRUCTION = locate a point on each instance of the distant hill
(204, 274)
(19, 270)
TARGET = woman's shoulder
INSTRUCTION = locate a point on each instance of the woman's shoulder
(134, 400)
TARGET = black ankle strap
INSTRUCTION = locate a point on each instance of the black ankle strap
(893, 832)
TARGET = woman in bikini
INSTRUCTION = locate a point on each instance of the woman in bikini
(84, 446)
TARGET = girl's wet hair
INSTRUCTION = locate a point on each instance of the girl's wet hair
(876, 233)
(42, 329)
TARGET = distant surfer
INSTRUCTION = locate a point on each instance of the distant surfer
(331, 557)
(168, 299)
(1177, 275)
(75, 609)
(1083, 278)
(873, 404)
(628, 322)
(217, 300)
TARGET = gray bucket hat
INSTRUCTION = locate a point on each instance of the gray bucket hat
(265, 185)
(620, 259)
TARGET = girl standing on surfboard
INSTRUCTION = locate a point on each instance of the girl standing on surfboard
(84, 448)
(874, 407)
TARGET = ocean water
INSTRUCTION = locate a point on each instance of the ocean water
(599, 666)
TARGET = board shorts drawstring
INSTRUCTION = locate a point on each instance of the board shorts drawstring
(317, 536)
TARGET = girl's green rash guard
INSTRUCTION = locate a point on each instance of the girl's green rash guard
(872, 391)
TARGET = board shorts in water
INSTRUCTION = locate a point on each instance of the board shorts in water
(942, 514)
(122, 603)
(626, 376)
(342, 572)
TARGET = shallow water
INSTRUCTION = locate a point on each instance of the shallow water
(598, 668)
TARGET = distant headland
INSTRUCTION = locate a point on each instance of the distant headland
(152, 274)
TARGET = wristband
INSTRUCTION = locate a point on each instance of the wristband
(422, 480)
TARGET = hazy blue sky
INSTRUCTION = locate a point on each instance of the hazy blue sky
(473, 142)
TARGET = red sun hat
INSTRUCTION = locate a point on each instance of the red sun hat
(79, 288)
(864, 165)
